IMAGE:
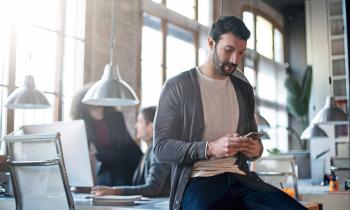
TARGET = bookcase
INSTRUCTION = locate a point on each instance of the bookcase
(335, 26)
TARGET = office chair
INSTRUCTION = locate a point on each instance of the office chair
(278, 170)
(38, 173)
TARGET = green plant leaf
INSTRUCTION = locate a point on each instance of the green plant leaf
(306, 86)
(298, 97)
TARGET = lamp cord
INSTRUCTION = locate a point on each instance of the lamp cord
(222, 8)
(112, 34)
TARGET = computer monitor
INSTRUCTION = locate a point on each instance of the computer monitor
(74, 146)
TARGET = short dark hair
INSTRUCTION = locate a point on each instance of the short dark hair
(148, 113)
(231, 24)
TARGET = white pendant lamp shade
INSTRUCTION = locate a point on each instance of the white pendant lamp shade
(111, 90)
(313, 131)
(330, 113)
(27, 97)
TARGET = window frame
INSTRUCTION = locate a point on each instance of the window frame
(168, 16)
(254, 56)
(10, 70)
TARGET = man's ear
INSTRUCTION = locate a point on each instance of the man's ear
(150, 127)
(211, 42)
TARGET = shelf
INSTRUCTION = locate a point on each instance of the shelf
(340, 98)
(336, 37)
(339, 77)
(336, 17)
(338, 57)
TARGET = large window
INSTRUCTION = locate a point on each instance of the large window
(45, 39)
(177, 42)
(152, 73)
(180, 51)
(264, 69)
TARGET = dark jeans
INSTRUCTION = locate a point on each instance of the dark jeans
(235, 192)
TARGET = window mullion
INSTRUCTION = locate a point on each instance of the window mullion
(12, 75)
(58, 112)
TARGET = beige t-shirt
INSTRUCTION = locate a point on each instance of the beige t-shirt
(221, 114)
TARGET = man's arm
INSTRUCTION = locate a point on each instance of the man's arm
(157, 178)
(168, 128)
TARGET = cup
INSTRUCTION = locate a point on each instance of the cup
(289, 191)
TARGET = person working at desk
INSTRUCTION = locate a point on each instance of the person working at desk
(202, 116)
(151, 178)
(108, 134)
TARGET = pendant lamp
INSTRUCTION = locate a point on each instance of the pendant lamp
(27, 97)
(111, 90)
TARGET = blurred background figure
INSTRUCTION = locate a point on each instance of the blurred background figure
(109, 140)
(151, 178)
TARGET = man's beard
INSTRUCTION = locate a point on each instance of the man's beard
(220, 66)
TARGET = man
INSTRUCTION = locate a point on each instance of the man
(201, 118)
(151, 178)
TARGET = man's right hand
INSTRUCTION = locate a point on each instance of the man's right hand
(226, 146)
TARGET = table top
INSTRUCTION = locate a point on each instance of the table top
(82, 203)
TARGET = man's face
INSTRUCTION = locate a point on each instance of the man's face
(144, 130)
(227, 53)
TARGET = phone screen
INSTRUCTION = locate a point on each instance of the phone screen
(255, 135)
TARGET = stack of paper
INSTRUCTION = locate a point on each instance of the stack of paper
(115, 200)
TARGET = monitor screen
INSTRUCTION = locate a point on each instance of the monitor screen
(74, 146)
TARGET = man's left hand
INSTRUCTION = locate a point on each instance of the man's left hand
(250, 147)
(104, 190)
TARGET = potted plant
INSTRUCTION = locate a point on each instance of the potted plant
(298, 98)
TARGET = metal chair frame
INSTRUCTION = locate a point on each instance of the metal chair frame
(56, 161)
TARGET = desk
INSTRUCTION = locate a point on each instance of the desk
(85, 204)
(153, 204)
(330, 200)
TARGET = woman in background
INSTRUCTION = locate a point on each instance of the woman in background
(107, 133)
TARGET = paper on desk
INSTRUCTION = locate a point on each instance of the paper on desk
(115, 200)
(118, 197)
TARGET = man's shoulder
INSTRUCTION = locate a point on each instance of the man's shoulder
(182, 78)
(238, 75)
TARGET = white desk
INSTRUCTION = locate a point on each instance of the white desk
(86, 204)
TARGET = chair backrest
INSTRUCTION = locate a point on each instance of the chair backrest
(278, 170)
(38, 173)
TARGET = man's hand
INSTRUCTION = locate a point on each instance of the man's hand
(250, 147)
(226, 146)
(104, 190)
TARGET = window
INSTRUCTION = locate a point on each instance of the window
(177, 44)
(180, 51)
(265, 71)
(205, 12)
(264, 38)
(183, 7)
(151, 75)
(45, 39)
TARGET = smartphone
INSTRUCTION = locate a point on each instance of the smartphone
(255, 135)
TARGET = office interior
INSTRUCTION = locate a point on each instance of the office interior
(65, 44)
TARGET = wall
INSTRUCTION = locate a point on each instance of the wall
(127, 53)
(317, 53)
(295, 52)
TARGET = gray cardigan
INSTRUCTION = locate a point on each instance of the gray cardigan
(151, 178)
(179, 125)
